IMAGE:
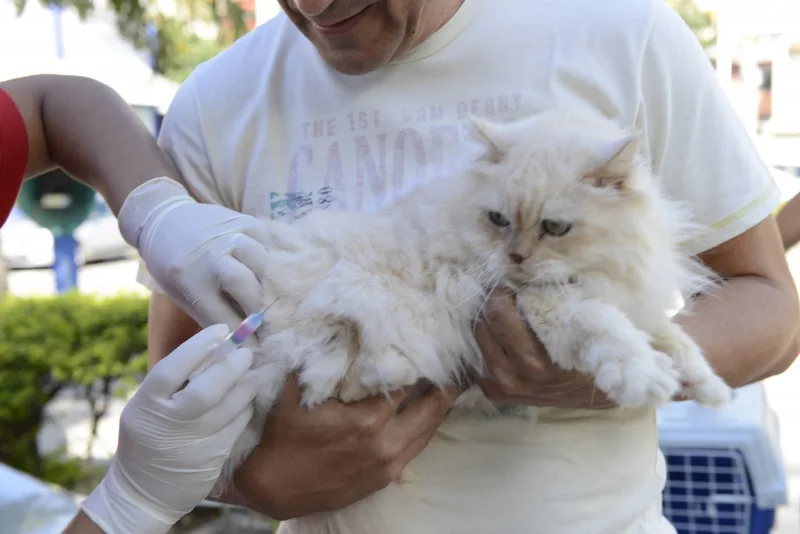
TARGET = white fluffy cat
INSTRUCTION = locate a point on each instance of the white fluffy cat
(559, 208)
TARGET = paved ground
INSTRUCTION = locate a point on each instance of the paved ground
(70, 422)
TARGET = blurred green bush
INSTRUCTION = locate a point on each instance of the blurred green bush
(89, 344)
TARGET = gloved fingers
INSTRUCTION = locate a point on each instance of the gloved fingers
(253, 255)
(213, 308)
(257, 231)
(211, 386)
(169, 374)
(238, 400)
(240, 283)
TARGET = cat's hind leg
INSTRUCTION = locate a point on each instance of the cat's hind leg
(389, 341)
(700, 382)
(594, 337)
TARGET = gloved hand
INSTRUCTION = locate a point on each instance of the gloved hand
(198, 253)
(172, 444)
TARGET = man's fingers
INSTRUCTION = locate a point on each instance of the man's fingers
(206, 390)
(409, 432)
(240, 284)
(513, 333)
(504, 374)
(171, 372)
(410, 452)
(420, 415)
(291, 393)
(493, 353)
(498, 301)
(420, 388)
(370, 415)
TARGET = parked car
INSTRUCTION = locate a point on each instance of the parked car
(26, 245)
(30, 505)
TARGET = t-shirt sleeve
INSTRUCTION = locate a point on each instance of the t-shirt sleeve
(698, 146)
(13, 154)
(182, 139)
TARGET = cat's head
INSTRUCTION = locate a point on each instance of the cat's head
(558, 196)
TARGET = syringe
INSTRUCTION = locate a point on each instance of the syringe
(233, 340)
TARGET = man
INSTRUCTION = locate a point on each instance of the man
(347, 104)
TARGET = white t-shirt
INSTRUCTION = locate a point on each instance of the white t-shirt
(267, 128)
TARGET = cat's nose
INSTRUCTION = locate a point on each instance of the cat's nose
(516, 258)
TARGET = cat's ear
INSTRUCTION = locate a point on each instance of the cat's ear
(617, 159)
(490, 135)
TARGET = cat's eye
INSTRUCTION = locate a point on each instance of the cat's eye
(497, 219)
(555, 228)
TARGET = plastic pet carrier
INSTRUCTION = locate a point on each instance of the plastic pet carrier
(725, 472)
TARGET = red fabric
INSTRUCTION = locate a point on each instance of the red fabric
(13, 154)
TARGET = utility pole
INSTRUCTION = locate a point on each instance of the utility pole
(65, 246)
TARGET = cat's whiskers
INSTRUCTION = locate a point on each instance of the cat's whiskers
(479, 287)
(487, 296)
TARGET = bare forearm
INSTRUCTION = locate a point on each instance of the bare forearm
(789, 222)
(82, 525)
(87, 129)
(748, 330)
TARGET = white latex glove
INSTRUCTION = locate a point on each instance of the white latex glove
(198, 253)
(172, 444)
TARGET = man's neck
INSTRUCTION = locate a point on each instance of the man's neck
(436, 14)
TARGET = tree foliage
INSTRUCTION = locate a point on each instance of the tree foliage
(173, 40)
(71, 342)
(701, 22)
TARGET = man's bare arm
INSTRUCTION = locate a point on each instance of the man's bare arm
(789, 222)
(81, 524)
(86, 128)
(167, 327)
(749, 329)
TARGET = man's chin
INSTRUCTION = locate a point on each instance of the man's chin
(353, 63)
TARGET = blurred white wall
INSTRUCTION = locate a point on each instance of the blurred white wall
(265, 10)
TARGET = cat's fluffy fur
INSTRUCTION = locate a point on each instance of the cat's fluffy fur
(559, 208)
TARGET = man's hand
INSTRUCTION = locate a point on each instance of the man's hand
(333, 455)
(520, 372)
(207, 258)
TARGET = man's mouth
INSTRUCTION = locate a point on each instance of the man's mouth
(340, 26)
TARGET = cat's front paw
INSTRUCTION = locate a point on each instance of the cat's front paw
(711, 391)
(635, 376)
